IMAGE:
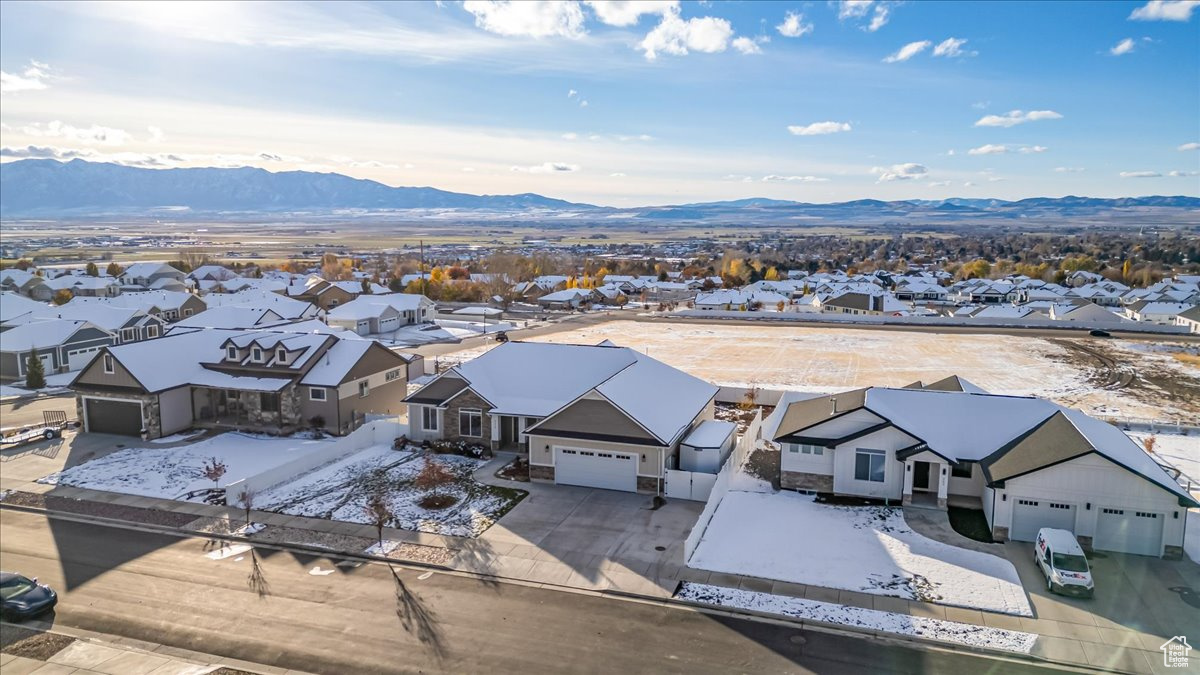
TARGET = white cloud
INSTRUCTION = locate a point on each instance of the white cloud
(1182, 174)
(988, 149)
(571, 93)
(794, 26)
(548, 167)
(950, 152)
(1165, 10)
(528, 18)
(1140, 174)
(1033, 149)
(1188, 146)
(675, 36)
(857, 9)
(44, 152)
(156, 135)
(880, 18)
(968, 184)
(793, 179)
(996, 179)
(93, 135)
(570, 136)
(34, 77)
(747, 45)
(938, 183)
(583, 103)
(738, 177)
(819, 128)
(1069, 169)
(951, 47)
(908, 171)
(1015, 117)
(628, 12)
(616, 175)
(1123, 47)
(908, 51)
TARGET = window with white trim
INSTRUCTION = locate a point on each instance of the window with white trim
(128, 334)
(316, 394)
(231, 353)
(806, 449)
(110, 365)
(470, 423)
(869, 465)
(281, 355)
(152, 331)
(392, 375)
(364, 388)
(256, 355)
(429, 418)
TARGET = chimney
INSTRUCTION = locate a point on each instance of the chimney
(833, 402)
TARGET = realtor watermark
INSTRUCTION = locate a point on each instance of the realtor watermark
(1175, 652)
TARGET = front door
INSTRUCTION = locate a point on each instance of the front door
(921, 475)
(510, 432)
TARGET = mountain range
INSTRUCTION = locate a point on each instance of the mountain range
(78, 188)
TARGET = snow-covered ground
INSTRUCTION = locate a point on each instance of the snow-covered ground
(799, 608)
(788, 536)
(171, 472)
(55, 384)
(340, 491)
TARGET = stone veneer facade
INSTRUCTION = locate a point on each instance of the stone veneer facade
(151, 414)
(798, 480)
(468, 400)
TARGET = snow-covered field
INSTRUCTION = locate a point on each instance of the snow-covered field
(826, 360)
(787, 536)
(901, 624)
(340, 491)
(171, 472)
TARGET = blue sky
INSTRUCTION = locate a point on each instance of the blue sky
(625, 103)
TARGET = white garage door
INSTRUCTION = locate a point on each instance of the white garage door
(1031, 515)
(78, 358)
(592, 468)
(389, 325)
(1129, 531)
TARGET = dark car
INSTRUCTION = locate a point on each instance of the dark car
(501, 337)
(22, 597)
(1099, 333)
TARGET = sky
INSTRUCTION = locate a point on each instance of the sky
(624, 103)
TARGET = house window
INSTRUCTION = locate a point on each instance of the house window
(281, 355)
(392, 375)
(961, 471)
(128, 334)
(806, 449)
(231, 353)
(316, 394)
(269, 402)
(364, 388)
(470, 423)
(256, 355)
(429, 419)
(151, 331)
(187, 312)
(110, 365)
(868, 465)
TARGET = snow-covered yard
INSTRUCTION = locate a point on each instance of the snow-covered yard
(901, 624)
(1183, 453)
(171, 472)
(340, 491)
(788, 536)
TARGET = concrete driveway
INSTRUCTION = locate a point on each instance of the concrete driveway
(21, 466)
(1139, 603)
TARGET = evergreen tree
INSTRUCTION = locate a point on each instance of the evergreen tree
(35, 372)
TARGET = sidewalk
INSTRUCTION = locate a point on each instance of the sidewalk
(33, 648)
(1074, 638)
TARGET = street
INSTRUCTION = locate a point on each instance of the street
(300, 611)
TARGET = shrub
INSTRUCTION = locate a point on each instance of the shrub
(317, 422)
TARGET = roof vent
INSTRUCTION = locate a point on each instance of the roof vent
(833, 401)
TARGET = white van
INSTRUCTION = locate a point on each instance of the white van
(1061, 559)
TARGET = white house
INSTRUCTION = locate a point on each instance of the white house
(1084, 311)
(1026, 462)
(1162, 313)
(386, 313)
(1189, 319)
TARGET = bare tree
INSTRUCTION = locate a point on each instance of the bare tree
(379, 513)
(246, 499)
(214, 469)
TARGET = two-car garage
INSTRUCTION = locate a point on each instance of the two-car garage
(1129, 530)
(595, 468)
(112, 416)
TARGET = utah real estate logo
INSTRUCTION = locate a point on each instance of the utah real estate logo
(1175, 652)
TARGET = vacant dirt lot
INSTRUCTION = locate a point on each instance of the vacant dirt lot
(1102, 378)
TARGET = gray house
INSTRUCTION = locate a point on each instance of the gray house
(62, 345)
(275, 380)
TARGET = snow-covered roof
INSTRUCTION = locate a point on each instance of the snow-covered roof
(104, 316)
(231, 316)
(13, 305)
(564, 296)
(336, 362)
(40, 334)
(143, 300)
(369, 306)
(710, 434)
(288, 308)
(478, 311)
(147, 269)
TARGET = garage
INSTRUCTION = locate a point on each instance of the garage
(1031, 515)
(389, 325)
(106, 416)
(594, 468)
(78, 358)
(1129, 531)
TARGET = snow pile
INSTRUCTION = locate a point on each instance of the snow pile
(789, 537)
(340, 490)
(169, 473)
(901, 624)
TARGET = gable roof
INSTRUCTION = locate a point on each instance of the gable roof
(13, 305)
(41, 334)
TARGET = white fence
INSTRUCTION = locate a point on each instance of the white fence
(693, 485)
(737, 458)
(378, 432)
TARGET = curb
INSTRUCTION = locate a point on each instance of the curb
(912, 640)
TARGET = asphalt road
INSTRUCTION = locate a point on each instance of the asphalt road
(298, 611)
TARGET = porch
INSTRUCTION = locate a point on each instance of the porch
(238, 410)
(926, 481)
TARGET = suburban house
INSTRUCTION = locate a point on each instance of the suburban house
(738, 300)
(149, 276)
(1162, 313)
(1189, 319)
(330, 294)
(128, 324)
(375, 314)
(276, 380)
(14, 306)
(285, 307)
(168, 305)
(1026, 462)
(598, 416)
(25, 283)
(1084, 310)
(571, 298)
(213, 273)
(852, 302)
(85, 285)
(63, 345)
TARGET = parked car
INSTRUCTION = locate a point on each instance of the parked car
(501, 337)
(1096, 332)
(1062, 561)
(24, 598)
